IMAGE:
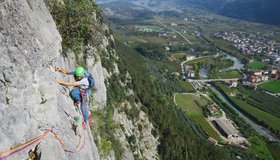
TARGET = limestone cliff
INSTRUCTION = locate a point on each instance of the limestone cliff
(133, 129)
(30, 100)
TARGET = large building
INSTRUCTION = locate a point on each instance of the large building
(226, 128)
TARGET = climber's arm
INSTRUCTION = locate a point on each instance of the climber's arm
(75, 84)
(62, 70)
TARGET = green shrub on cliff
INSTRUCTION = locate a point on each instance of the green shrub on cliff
(75, 22)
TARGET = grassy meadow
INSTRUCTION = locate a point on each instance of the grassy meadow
(273, 86)
(192, 105)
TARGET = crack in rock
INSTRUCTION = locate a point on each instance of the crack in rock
(6, 90)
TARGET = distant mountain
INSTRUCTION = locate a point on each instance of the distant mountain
(125, 10)
(262, 11)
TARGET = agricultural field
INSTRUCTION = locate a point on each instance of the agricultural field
(134, 41)
(200, 60)
(192, 104)
(229, 74)
(256, 65)
(155, 39)
(262, 116)
(273, 86)
(199, 119)
(148, 28)
(274, 148)
(181, 56)
(223, 45)
(187, 86)
(259, 147)
(261, 100)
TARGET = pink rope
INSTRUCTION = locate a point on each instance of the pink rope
(25, 147)
(2, 158)
(82, 145)
(84, 141)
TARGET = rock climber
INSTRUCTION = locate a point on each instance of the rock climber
(81, 85)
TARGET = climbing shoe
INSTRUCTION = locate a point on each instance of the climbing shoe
(84, 124)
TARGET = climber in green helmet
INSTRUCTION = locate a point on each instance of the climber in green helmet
(83, 82)
(79, 72)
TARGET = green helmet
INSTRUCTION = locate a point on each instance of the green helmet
(79, 72)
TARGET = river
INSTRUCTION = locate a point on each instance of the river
(236, 65)
(261, 130)
(203, 73)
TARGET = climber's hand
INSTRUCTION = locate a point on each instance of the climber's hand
(59, 81)
(59, 69)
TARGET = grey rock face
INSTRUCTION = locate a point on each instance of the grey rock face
(30, 99)
(99, 74)
(146, 144)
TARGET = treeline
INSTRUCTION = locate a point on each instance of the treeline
(153, 51)
(180, 138)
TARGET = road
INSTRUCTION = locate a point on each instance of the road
(214, 80)
(175, 31)
(182, 64)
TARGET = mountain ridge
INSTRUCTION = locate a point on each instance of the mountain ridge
(260, 11)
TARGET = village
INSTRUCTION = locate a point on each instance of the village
(253, 77)
(250, 77)
(252, 44)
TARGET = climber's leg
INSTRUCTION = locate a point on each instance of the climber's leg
(76, 96)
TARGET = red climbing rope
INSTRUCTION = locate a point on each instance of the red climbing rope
(23, 146)
(78, 147)
(27, 143)
(20, 150)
